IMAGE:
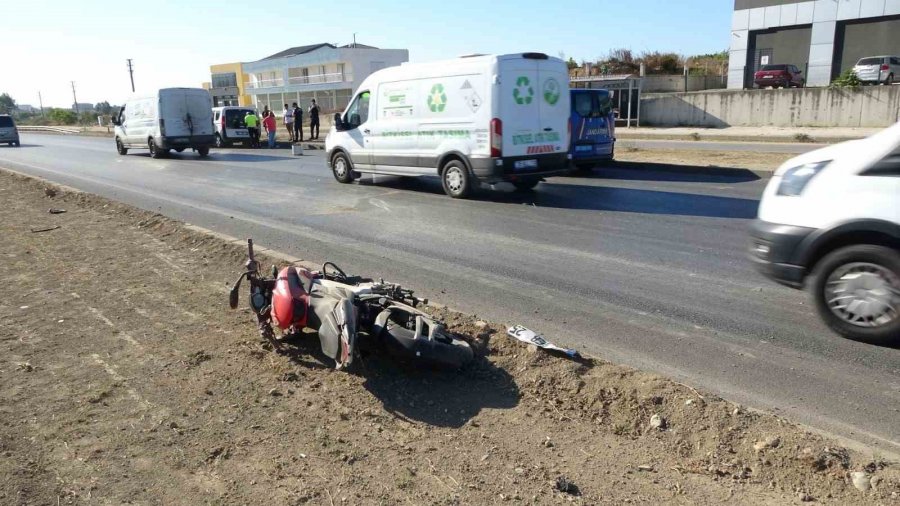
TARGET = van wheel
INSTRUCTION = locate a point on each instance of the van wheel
(890, 80)
(203, 152)
(121, 147)
(526, 184)
(857, 292)
(340, 166)
(219, 142)
(455, 179)
(155, 152)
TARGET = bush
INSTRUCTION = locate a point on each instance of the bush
(63, 117)
(848, 79)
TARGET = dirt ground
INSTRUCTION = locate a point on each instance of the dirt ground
(746, 160)
(126, 379)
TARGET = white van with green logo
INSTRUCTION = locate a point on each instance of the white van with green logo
(477, 119)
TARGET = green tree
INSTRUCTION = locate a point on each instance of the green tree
(7, 104)
(63, 116)
(848, 79)
(571, 63)
(103, 107)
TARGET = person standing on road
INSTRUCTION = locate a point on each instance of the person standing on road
(288, 117)
(252, 122)
(269, 124)
(313, 120)
(298, 123)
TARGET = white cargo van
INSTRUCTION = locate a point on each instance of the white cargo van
(170, 119)
(473, 119)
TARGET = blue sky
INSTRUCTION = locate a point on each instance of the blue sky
(173, 42)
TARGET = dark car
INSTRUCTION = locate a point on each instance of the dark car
(778, 76)
(8, 131)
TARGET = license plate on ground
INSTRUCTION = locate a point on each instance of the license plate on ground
(525, 164)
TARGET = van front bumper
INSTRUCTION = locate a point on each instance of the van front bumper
(196, 141)
(774, 249)
(512, 168)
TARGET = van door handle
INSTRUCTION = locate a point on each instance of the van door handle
(548, 129)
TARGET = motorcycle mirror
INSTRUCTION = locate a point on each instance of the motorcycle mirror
(235, 292)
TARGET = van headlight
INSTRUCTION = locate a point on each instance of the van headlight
(795, 180)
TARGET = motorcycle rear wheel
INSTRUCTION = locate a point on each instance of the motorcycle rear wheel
(444, 352)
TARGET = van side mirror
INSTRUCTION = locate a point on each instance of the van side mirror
(115, 120)
(339, 123)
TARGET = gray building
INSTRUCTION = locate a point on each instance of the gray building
(821, 37)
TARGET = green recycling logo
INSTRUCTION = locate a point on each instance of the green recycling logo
(523, 92)
(551, 91)
(437, 99)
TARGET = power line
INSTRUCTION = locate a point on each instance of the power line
(131, 74)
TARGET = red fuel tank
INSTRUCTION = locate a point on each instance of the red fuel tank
(290, 299)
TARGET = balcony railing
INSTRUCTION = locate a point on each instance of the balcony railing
(337, 77)
(265, 83)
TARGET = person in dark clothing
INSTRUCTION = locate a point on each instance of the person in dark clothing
(313, 120)
(298, 122)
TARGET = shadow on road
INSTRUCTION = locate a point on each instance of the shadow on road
(4, 145)
(642, 171)
(599, 198)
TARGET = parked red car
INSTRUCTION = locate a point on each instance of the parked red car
(778, 76)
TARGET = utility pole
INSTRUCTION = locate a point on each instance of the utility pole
(74, 98)
(131, 73)
(41, 102)
(354, 40)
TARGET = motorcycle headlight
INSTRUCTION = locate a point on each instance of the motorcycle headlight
(795, 180)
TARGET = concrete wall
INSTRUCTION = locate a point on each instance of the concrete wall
(675, 83)
(876, 106)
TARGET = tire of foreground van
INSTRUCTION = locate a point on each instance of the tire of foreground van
(455, 180)
(120, 148)
(155, 152)
(887, 258)
(203, 152)
(528, 184)
(340, 167)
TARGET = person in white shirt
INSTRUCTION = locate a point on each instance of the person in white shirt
(288, 116)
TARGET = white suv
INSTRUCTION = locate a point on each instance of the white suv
(830, 220)
(878, 69)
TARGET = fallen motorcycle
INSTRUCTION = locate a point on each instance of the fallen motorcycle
(344, 309)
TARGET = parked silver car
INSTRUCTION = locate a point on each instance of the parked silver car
(8, 131)
(878, 69)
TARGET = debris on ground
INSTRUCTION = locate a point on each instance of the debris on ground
(53, 210)
(48, 229)
(530, 337)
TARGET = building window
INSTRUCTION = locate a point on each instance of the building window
(224, 80)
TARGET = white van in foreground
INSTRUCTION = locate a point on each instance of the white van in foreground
(830, 219)
(170, 119)
(473, 119)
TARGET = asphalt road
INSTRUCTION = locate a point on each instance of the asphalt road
(640, 266)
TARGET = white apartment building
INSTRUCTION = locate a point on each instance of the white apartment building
(324, 72)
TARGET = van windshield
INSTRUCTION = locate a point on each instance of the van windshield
(592, 104)
(234, 118)
(6, 122)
